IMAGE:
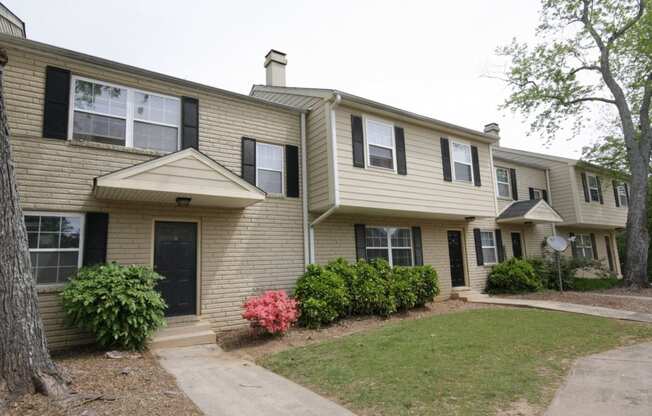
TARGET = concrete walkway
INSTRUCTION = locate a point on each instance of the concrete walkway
(223, 385)
(617, 382)
(563, 307)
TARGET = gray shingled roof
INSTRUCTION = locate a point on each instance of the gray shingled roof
(518, 209)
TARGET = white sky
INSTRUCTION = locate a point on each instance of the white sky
(428, 57)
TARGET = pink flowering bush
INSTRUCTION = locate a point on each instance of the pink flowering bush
(272, 311)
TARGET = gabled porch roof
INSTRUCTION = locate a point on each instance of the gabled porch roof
(184, 174)
(536, 211)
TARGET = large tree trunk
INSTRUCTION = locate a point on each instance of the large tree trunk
(635, 274)
(25, 363)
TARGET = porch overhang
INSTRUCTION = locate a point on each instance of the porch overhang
(529, 212)
(184, 174)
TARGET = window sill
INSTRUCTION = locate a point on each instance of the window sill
(381, 169)
(506, 198)
(105, 146)
(51, 288)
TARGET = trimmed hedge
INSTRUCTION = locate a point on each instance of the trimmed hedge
(322, 296)
(513, 276)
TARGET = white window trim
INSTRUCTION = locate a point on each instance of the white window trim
(508, 183)
(453, 161)
(366, 119)
(622, 195)
(282, 193)
(581, 238)
(80, 257)
(389, 245)
(596, 187)
(494, 247)
(539, 191)
(129, 118)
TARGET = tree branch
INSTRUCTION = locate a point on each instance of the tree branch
(584, 68)
(618, 33)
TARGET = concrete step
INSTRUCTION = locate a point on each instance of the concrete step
(464, 293)
(183, 340)
(186, 328)
(181, 320)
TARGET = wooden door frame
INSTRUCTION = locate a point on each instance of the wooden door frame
(465, 264)
(198, 256)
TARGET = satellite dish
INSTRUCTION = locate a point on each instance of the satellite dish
(557, 243)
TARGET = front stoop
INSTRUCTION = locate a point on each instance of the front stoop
(463, 293)
(183, 331)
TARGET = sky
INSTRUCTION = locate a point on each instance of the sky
(428, 57)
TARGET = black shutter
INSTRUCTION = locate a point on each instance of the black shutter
(401, 163)
(545, 195)
(573, 245)
(597, 178)
(594, 246)
(610, 258)
(585, 187)
(292, 171)
(189, 123)
(531, 190)
(512, 179)
(360, 242)
(627, 192)
(248, 160)
(478, 246)
(615, 186)
(499, 246)
(476, 166)
(358, 141)
(418, 248)
(446, 159)
(57, 100)
(96, 231)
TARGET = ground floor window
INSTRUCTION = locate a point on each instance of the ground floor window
(390, 243)
(489, 252)
(55, 242)
(584, 246)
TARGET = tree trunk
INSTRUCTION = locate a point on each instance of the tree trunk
(25, 363)
(637, 243)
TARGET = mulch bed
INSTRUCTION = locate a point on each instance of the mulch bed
(251, 346)
(588, 298)
(133, 385)
(647, 292)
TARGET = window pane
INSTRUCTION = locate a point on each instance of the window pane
(155, 137)
(99, 128)
(269, 156)
(100, 98)
(461, 153)
(66, 273)
(376, 237)
(593, 181)
(156, 108)
(48, 240)
(47, 259)
(50, 223)
(377, 253)
(68, 258)
(537, 194)
(489, 255)
(379, 133)
(31, 222)
(503, 189)
(401, 237)
(46, 275)
(270, 181)
(462, 172)
(501, 175)
(487, 238)
(32, 240)
(402, 257)
(381, 157)
(595, 195)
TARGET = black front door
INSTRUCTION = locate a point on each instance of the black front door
(517, 249)
(456, 258)
(175, 258)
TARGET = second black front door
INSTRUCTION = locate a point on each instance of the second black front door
(517, 249)
(456, 257)
(175, 258)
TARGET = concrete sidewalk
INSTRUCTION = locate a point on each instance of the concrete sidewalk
(616, 382)
(223, 385)
(562, 307)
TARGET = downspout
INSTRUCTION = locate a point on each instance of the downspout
(554, 228)
(304, 186)
(333, 102)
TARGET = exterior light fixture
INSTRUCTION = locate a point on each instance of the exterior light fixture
(183, 202)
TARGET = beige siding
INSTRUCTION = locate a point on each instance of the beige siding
(242, 251)
(596, 213)
(319, 176)
(526, 177)
(600, 245)
(423, 189)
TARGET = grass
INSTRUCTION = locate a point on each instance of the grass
(467, 363)
(586, 285)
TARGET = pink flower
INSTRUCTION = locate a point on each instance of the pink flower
(273, 311)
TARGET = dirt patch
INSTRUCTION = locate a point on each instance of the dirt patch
(585, 298)
(133, 385)
(520, 408)
(623, 291)
(251, 346)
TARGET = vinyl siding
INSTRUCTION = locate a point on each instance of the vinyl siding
(595, 213)
(601, 247)
(423, 189)
(242, 251)
(319, 177)
(526, 177)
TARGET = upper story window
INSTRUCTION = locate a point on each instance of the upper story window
(391, 244)
(55, 242)
(622, 196)
(462, 162)
(380, 144)
(594, 187)
(123, 116)
(269, 167)
(537, 193)
(584, 246)
(489, 249)
(502, 181)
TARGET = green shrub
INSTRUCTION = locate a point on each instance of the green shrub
(425, 284)
(118, 304)
(402, 283)
(513, 276)
(585, 285)
(369, 289)
(546, 269)
(322, 295)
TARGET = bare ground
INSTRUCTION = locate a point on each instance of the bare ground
(251, 346)
(647, 292)
(618, 301)
(134, 385)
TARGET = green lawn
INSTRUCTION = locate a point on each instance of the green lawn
(466, 363)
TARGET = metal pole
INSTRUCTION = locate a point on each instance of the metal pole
(561, 285)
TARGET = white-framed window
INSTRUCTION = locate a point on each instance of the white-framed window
(113, 114)
(594, 187)
(622, 196)
(503, 184)
(537, 193)
(269, 167)
(584, 246)
(381, 152)
(55, 245)
(489, 249)
(462, 162)
(393, 244)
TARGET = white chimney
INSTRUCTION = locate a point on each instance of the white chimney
(492, 129)
(275, 62)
